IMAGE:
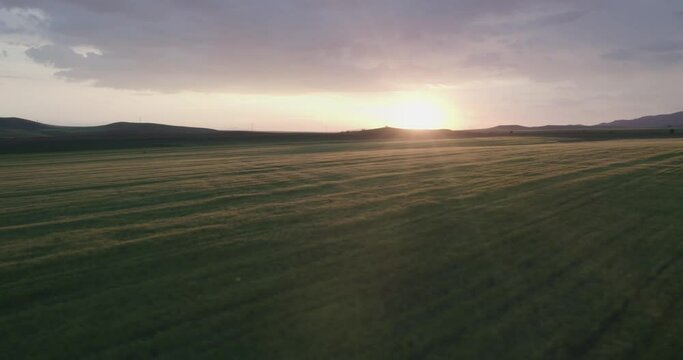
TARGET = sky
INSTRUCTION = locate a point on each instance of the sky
(333, 65)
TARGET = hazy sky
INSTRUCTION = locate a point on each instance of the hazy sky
(340, 64)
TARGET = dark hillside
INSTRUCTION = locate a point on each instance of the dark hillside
(674, 120)
(14, 123)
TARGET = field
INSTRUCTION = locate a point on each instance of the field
(517, 248)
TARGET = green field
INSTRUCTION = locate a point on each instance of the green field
(468, 249)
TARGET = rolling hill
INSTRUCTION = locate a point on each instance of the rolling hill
(18, 129)
(665, 121)
(14, 123)
(674, 120)
(21, 135)
(13, 127)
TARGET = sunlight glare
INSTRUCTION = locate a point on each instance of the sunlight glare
(417, 111)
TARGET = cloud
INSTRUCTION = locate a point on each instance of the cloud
(285, 46)
(560, 18)
(21, 24)
(658, 53)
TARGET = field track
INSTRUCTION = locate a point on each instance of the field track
(488, 249)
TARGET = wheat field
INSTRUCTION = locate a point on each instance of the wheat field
(488, 249)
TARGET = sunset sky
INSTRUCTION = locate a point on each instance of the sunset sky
(330, 65)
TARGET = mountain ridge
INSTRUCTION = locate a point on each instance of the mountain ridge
(19, 128)
(663, 121)
(656, 121)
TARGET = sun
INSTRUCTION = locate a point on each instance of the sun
(417, 111)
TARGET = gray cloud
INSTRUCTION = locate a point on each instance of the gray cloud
(661, 53)
(281, 46)
(560, 18)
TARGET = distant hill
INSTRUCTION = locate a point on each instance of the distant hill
(12, 127)
(17, 128)
(128, 128)
(13, 123)
(509, 128)
(21, 128)
(674, 120)
(21, 135)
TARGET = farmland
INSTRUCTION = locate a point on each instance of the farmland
(477, 248)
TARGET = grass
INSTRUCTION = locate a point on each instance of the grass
(489, 249)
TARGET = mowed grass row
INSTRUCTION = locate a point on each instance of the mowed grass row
(476, 249)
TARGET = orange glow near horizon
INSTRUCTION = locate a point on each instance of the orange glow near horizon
(417, 111)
